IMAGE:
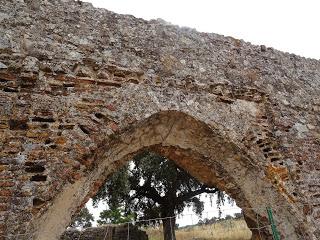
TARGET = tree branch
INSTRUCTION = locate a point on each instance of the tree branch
(184, 197)
(147, 191)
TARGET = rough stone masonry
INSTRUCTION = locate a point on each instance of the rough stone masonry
(82, 90)
(107, 232)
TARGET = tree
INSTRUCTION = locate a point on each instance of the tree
(151, 187)
(83, 219)
(238, 215)
(114, 215)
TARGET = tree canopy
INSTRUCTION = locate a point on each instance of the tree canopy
(149, 187)
(84, 219)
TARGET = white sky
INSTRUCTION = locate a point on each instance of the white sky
(288, 25)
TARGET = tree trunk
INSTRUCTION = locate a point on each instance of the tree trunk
(169, 228)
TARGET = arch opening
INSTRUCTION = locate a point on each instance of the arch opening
(153, 193)
(200, 149)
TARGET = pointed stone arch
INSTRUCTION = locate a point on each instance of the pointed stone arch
(200, 149)
(75, 79)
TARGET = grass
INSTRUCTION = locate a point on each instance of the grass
(234, 229)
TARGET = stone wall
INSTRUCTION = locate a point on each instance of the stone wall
(110, 232)
(82, 90)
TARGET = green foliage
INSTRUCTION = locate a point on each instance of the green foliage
(151, 186)
(115, 216)
(116, 190)
(83, 220)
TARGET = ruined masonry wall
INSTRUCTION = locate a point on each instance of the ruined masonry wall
(109, 232)
(82, 89)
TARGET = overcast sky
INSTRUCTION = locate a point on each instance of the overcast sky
(288, 25)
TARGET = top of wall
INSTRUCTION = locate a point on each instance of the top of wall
(65, 32)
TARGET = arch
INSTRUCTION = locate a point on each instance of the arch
(200, 149)
(63, 92)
